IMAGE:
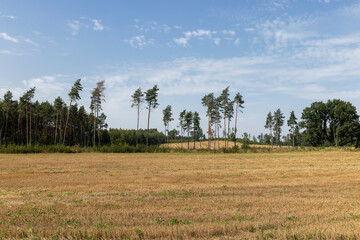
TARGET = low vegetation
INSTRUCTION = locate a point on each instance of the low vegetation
(295, 195)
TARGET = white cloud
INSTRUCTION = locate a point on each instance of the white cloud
(74, 26)
(229, 32)
(202, 34)
(97, 25)
(47, 87)
(6, 37)
(7, 16)
(153, 26)
(85, 23)
(217, 41)
(140, 41)
(181, 41)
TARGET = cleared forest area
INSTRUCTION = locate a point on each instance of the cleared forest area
(295, 195)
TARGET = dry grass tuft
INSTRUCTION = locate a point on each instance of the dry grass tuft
(308, 195)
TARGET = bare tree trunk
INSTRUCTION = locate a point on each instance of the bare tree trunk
(237, 106)
(209, 130)
(294, 138)
(218, 133)
(228, 135)
(30, 123)
(188, 133)
(225, 124)
(56, 126)
(215, 136)
(97, 125)
(27, 127)
(94, 134)
(148, 128)
(60, 129)
(137, 125)
(6, 120)
(67, 121)
(181, 136)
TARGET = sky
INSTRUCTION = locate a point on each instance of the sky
(276, 53)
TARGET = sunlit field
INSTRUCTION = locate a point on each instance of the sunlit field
(297, 195)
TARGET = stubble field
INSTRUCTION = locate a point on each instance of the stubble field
(297, 195)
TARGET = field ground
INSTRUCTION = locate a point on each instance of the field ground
(213, 145)
(297, 195)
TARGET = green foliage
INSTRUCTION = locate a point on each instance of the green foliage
(334, 123)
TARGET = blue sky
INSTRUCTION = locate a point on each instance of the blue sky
(277, 53)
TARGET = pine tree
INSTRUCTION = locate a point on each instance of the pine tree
(239, 104)
(151, 96)
(74, 96)
(278, 123)
(188, 119)
(292, 123)
(167, 118)
(209, 102)
(269, 125)
(137, 101)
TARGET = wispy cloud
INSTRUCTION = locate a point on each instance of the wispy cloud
(47, 87)
(7, 16)
(85, 23)
(140, 41)
(153, 26)
(97, 25)
(74, 26)
(201, 34)
(6, 37)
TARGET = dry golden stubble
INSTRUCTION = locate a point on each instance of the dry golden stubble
(298, 195)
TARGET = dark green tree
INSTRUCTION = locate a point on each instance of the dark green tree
(278, 123)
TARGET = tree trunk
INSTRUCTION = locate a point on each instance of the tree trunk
(188, 133)
(237, 107)
(94, 134)
(137, 125)
(67, 121)
(27, 128)
(148, 127)
(228, 133)
(60, 128)
(209, 130)
(30, 123)
(181, 136)
(225, 124)
(97, 125)
(277, 135)
(294, 138)
(56, 126)
(6, 120)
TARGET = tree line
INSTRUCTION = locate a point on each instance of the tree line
(27, 122)
(334, 123)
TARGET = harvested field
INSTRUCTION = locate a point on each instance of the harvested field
(307, 195)
(214, 145)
